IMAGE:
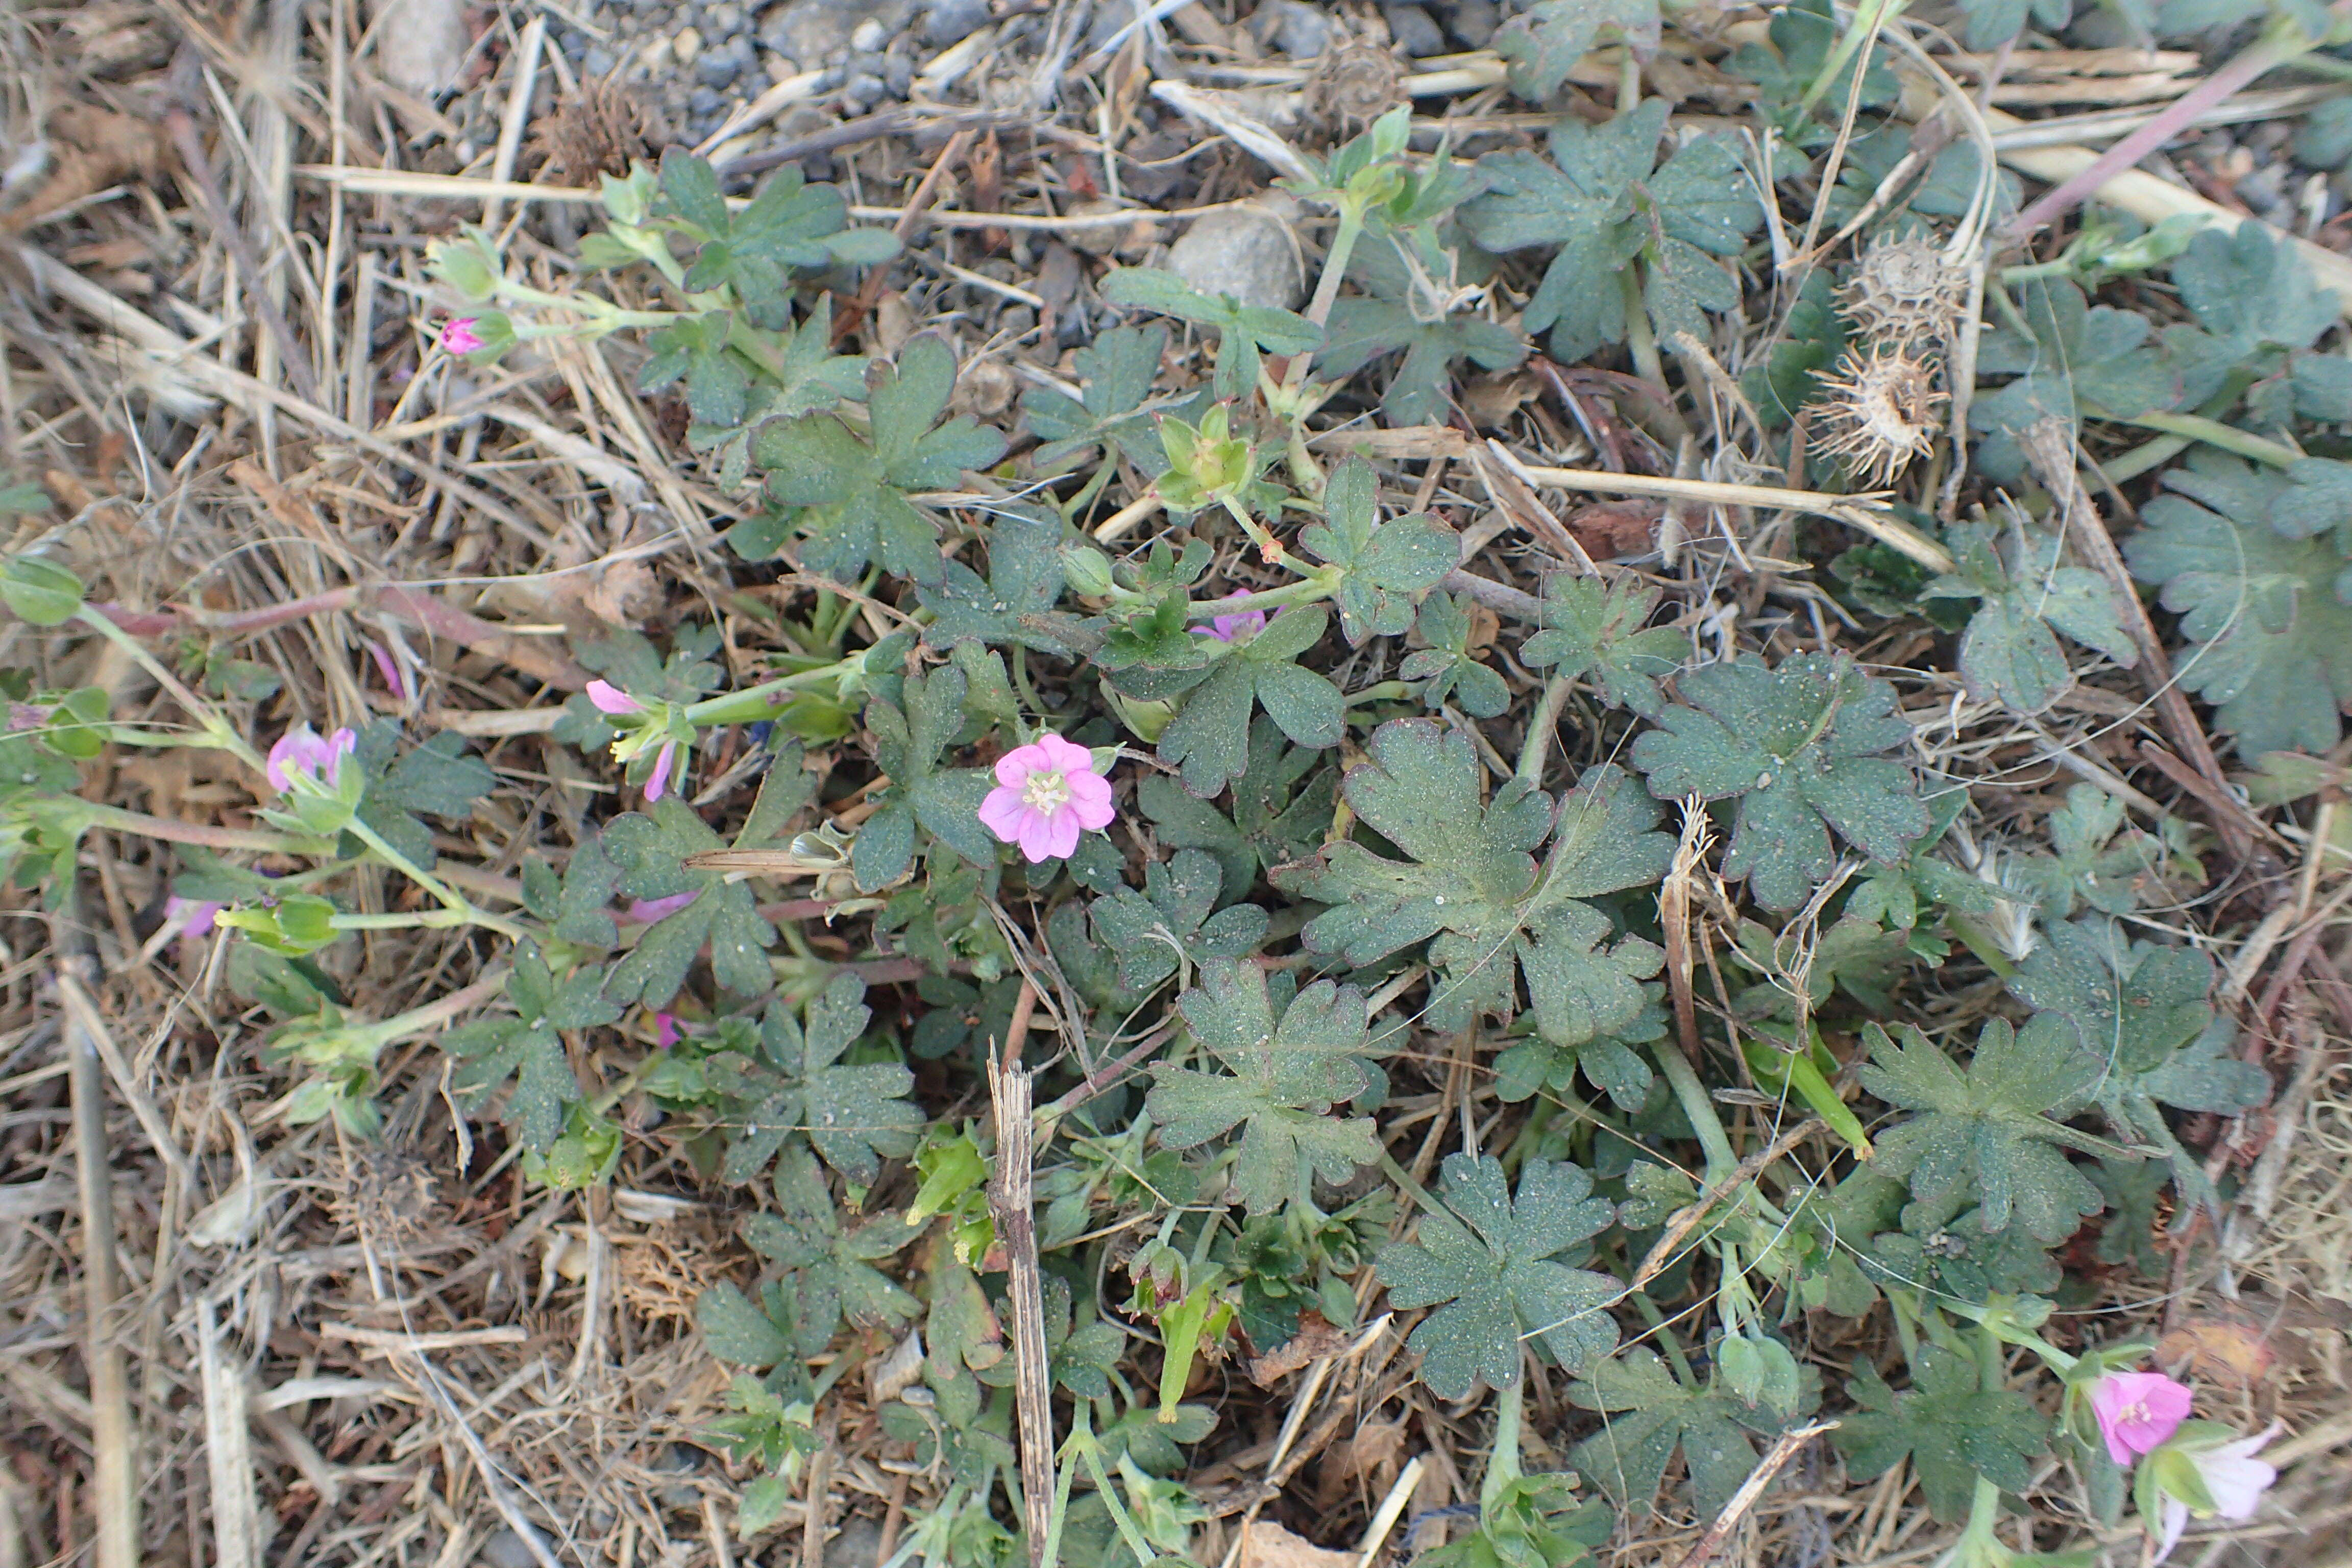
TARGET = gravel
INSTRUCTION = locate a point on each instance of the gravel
(1250, 253)
(1414, 30)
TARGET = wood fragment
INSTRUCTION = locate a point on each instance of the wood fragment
(1784, 1448)
(114, 1439)
(1011, 1205)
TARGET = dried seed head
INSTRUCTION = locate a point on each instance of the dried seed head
(1877, 414)
(1353, 82)
(1905, 294)
(599, 130)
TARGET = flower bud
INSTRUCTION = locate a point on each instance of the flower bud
(1088, 570)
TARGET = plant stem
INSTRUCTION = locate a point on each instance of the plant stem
(212, 724)
(203, 834)
(1869, 18)
(1320, 584)
(1327, 287)
(447, 895)
(1536, 746)
(1691, 1095)
(754, 703)
(1503, 1464)
(2213, 433)
(1643, 344)
(1380, 691)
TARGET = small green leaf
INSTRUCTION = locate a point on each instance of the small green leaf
(527, 1048)
(38, 591)
(1209, 739)
(1388, 565)
(1985, 1135)
(436, 779)
(1594, 629)
(1649, 1416)
(1118, 369)
(1282, 808)
(1172, 922)
(833, 1269)
(1010, 608)
(1246, 332)
(2271, 617)
(845, 492)
(1951, 1429)
(651, 849)
(1446, 668)
(1798, 746)
(738, 1330)
(1491, 1265)
(853, 1115)
(907, 741)
(2011, 654)
(1544, 44)
(1281, 1080)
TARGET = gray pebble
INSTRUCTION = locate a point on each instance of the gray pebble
(814, 33)
(598, 60)
(723, 20)
(868, 37)
(505, 1548)
(1298, 30)
(704, 102)
(573, 42)
(898, 75)
(1414, 30)
(1474, 22)
(859, 1544)
(1248, 252)
(948, 22)
(863, 87)
(718, 68)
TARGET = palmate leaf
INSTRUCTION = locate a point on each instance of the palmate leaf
(1244, 332)
(1473, 883)
(1118, 369)
(1009, 608)
(2097, 861)
(844, 492)
(1491, 1265)
(651, 851)
(1649, 1416)
(527, 1048)
(1400, 312)
(2270, 616)
(1388, 565)
(1209, 739)
(1446, 668)
(1282, 807)
(1171, 921)
(1605, 200)
(1608, 1061)
(754, 251)
(832, 1268)
(1281, 1079)
(1593, 629)
(853, 1115)
(1544, 43)
(1984, 1134)
(1798, 746)
(436, 779)
(2011, 654)
(908, 737)
(1951, 1429)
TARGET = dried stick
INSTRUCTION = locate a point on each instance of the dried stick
(114, 1441)
(1685, 1220)
(1009, 1200)
(1784, 1448)
(181, 127)
(2050, 447)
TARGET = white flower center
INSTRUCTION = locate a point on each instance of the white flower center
(1046, 793)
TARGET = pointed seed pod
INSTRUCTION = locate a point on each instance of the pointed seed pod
(1877, 414)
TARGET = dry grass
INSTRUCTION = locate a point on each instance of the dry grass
(341, 1355)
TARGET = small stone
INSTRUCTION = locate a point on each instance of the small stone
(505, 1548)
(598, 61)
(948, 22)
(868, 37)
(1250, 253)
(1415, 30)
(898, 76)
(704, 102)
(1474, 23)
(817, 33)
(858, 1545)
(723, 20)
(686, 46)
(573, 42)
(863, 90)
(1299, 31)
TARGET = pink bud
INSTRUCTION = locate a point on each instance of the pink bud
(459, 337)
(610, 699)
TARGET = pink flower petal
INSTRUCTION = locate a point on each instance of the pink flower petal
(1062, 835)
(1091, 815)
(1014, 768)
(1088, 786)
(659, 780)
(2139, 1412)
(1064, 756)
(645, 911)
(1036, 836)
(611, 699)
(1001, 811)
(2176, 1520)
(459, 337)
(2235, 1477)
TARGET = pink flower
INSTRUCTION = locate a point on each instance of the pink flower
(1226, 629)
(666, 1032)
(658, 781)
(2233, 1478)
(1047, 794)
(388, 665)
(301, 752)
(645, 911)
(2137, 1411)
(194, 916)
(459, 337)
(610, 699)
